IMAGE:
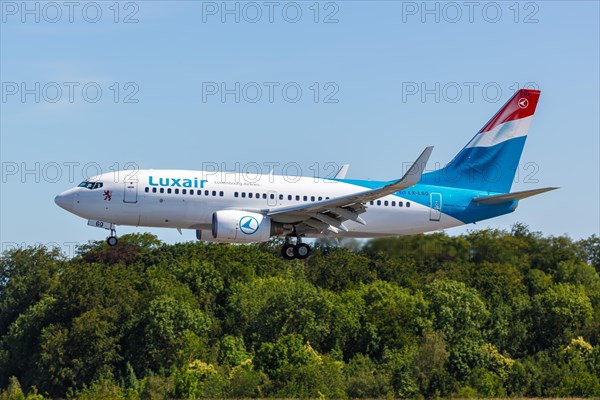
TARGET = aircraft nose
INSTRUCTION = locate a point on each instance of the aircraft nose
(64, 201)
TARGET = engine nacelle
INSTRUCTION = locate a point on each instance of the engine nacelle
(205, 236)
(236, 226)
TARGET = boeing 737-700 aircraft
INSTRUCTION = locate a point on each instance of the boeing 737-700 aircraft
(227, 208)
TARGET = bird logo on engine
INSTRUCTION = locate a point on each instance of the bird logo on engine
(248, 225)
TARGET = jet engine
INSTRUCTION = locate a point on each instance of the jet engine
(236, 226)
(205, 236)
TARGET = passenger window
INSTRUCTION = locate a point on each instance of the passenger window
(153, 190)
(305, 198)
(371, 202)
(312, 198)
(264, 196)
(176, 191)
(320, 198)
(393, 204)
(147, 190)
(258, 195)
(206, 193)
(400, 203)
(378, 202)
(214, 193)
(221, 193)
(280, 196)
(243, 195)
(235, 194)
(385, 203)
(169, 190)
(250, 195)
(408, 204)
(183, 191)
(297, 198)
(326, 198)
(289, 197)
(162, 190)
(191, 191)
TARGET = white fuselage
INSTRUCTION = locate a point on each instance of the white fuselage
(187, 200)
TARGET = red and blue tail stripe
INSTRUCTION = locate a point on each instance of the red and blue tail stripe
(490, 160)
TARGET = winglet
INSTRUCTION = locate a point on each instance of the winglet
(413, 175)
(342, 172)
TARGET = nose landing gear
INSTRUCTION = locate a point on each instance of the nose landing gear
(290, 251)
(112, 239)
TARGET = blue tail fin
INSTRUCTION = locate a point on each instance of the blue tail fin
(490, 160)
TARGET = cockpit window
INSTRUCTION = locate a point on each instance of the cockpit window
(90, 185)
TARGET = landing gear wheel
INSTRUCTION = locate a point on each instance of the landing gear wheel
(301, 251)
(287, 251)
(112, 240)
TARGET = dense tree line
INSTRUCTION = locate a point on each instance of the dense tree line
(490, 313)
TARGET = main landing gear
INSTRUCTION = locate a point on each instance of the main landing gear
(112, 239)
(299, 250)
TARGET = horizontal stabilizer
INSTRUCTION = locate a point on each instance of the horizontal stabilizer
(502, 198)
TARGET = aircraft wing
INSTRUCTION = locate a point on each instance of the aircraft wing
(331, 213)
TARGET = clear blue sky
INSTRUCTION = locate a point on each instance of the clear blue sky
(366, 55)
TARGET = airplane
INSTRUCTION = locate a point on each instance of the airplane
(230, 208)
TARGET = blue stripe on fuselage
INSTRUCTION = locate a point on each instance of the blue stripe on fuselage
(458, 203)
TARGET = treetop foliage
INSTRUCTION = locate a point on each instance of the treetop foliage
(490, 313)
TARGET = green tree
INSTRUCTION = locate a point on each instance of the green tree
(559, 313)
(295, 369)
(339, 269)
(431, 366)
(232, 351)
(246, 381)
(267, 308)
(166, 326)
(457, 308)
(363, 379)
(398, 316)
(198, 379)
